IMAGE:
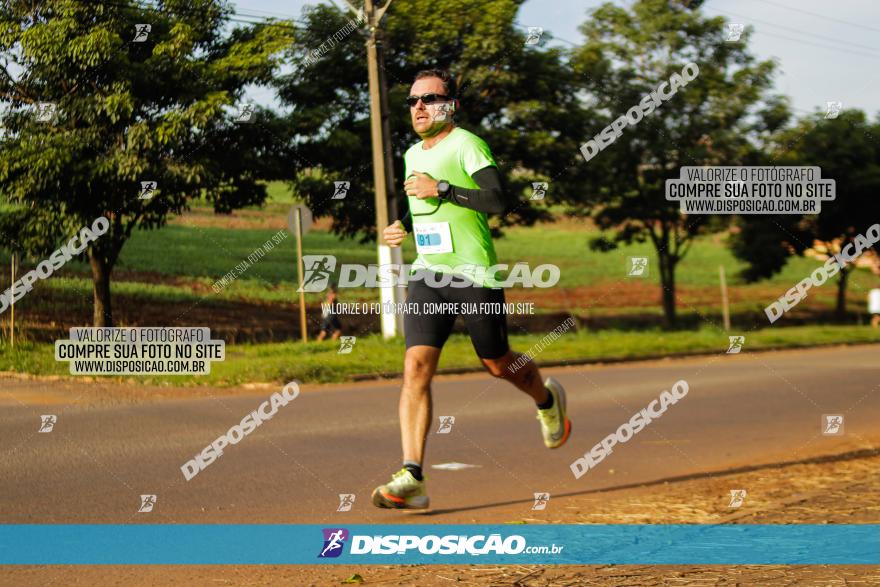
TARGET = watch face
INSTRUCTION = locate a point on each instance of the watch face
(443, 186)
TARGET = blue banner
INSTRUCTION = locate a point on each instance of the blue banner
(666, 544)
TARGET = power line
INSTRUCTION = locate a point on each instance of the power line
(269, 18)
(555, 38)
(783, 37)
(806, 111)
(240, 17)
(269, 13)
(251, 19)
(824, 38)
(840, 49)
(817, 15)
(857, 53)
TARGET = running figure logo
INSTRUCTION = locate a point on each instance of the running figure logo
(446, 423)
(46, 111)
(734, 31)
(141, 32)
(736, 344)
(244, 112)
(47, 423)
(346, 500)
(539, 190)
(340, 189)
(832, 425)
(534, 36)
(832, 109)
(638, 266)
(541, 500)
(147, 503)
(737, 498)
(147, 189)
(440, 111)
(318, 268)
(346, 344)
(334, 540)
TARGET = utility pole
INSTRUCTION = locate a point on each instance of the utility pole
(298, 224)
(383, 164)
(12, 299)
(725, 303)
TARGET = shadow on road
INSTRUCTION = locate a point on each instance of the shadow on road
(846, 456)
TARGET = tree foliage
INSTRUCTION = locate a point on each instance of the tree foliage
(845, 149)
(520, 98)
(127, 112)
(718, 118)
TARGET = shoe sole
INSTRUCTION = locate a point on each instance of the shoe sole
(564, 436)
(384, 500)
(560, 393)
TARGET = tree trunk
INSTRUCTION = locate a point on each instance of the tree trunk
(103, 312)
(667, 281)
(840, 309)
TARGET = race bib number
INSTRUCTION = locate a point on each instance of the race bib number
(433, 238)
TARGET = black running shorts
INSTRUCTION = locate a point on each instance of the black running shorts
(331, 324)
(431, 313)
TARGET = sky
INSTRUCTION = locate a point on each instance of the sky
(827, 51)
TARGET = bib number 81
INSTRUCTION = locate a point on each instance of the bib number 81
(428, 240)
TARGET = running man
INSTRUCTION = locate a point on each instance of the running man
(334, 542)
(452, 183)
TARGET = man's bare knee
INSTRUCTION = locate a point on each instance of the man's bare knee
(418, 369)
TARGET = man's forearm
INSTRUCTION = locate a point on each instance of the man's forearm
(488, 198)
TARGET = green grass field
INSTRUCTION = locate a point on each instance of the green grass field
(204, 254)
(211, 252)
(208, 253)
(174, 268)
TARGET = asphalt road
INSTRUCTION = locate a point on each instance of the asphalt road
(741, 411)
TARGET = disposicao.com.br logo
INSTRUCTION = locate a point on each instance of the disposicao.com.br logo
(319, 269)
(334, 542)
(450, 544)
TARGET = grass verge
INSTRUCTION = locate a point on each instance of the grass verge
(372, 356)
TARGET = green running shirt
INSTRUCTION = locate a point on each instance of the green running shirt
(455, 158)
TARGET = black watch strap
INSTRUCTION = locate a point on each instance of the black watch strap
(444, 189)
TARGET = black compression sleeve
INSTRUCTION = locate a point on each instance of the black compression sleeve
(407, 220)
(488, 198)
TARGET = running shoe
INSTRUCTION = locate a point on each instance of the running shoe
(404, 492)
(555, 425)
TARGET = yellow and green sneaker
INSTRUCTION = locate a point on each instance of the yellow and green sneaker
(404, 492)
(555, 425)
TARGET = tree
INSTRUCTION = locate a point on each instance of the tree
(845, 149)
(133, 104)
(712, 120)
(521, 98)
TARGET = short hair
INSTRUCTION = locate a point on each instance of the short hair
(449, 85)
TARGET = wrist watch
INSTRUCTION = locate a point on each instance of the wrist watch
(443, 188)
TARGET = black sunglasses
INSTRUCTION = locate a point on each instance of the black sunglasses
(426, 99)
